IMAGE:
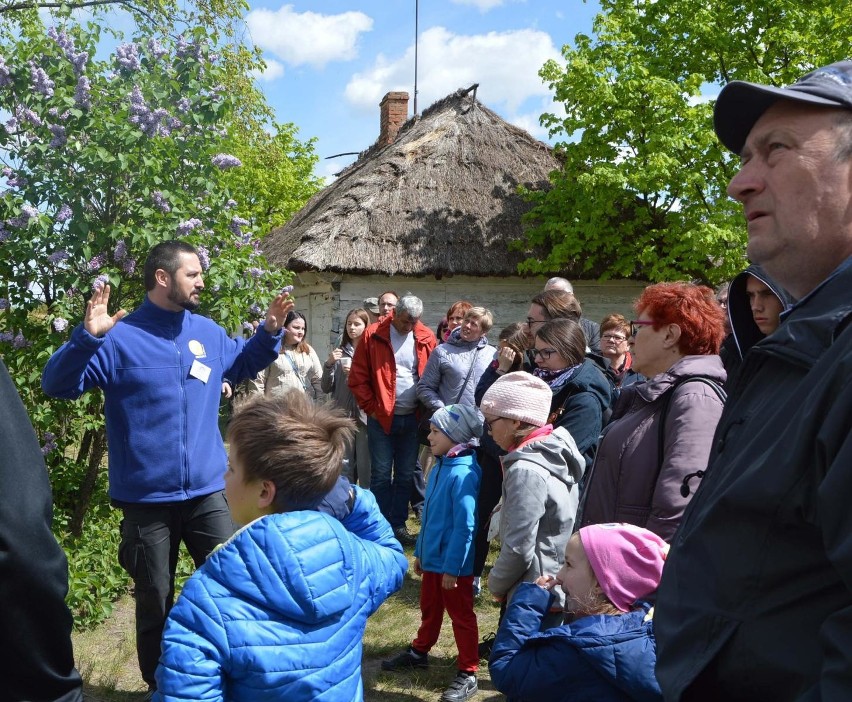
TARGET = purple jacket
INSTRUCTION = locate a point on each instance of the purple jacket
(621, 486)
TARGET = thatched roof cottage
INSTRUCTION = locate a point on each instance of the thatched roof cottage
(431, 208)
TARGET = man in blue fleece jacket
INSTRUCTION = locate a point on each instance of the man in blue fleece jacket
(161, 372)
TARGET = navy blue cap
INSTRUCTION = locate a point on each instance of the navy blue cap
(741, 104)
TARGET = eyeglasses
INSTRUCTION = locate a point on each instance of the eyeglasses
(613, 337)
(544, 353)
(635, 324)
(489, 423)
(530, 321)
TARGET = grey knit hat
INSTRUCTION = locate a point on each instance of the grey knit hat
(519, 396)
(461, 423)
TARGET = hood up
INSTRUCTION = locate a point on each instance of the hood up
(745, 331)
(289, 563)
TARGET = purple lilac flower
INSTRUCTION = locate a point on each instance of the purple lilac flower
(25, 114)
(248, 326)
(230, 204)
(236, 224)
(49, 442)
(53, 112)
(20, 341)
(255, 272)
(99, 282)
(186, 227)
(6, 337)
(15, 181)
(160, 201)
(4, 233)
(60, 324)
(82, 96)
(28, 212)
(4, 303)
(203, 257)
(184, 104)
(226, 161)
(5, 74)
(6, 171)
(255, 309)
(64, 214)
(127, 56)
(11, 124)
(66, 43)
(182, 46)
(57, 257)
(59, 137)
(120, 251)
(150, 122)
(96, 263)
(129, 266)
(41, 82)
(156, 49)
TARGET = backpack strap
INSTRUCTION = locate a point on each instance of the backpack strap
(664, 413)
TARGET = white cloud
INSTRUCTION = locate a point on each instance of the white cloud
(483, 5)
(308, 37)
(505, 64)
(274, 70)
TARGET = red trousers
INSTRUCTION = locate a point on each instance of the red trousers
(458, 603)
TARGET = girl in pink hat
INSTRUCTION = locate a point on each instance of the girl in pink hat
(607, 652)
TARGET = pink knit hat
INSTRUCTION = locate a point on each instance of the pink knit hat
(627, 561)
(520, 396)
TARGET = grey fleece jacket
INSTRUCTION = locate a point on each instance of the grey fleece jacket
(540, 497)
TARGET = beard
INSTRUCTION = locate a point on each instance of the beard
(186, 301)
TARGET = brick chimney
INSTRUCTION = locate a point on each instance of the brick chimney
(393, 110)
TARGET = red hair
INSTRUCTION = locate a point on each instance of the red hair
(693, 308)
(461, 307)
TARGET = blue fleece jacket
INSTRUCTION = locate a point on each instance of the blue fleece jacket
(161, 419)
(279, 611)
(600, 658)
(445, 543)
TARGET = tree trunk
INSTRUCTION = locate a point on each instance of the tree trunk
(96, 443)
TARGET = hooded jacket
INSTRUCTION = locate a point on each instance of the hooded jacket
(162, 419)
(278, 612)
(744, 330)
(372, 378)
(540, 495)
(621, 486)
(755, 601)
(447, 369)
(445, 542)
(579, 404)
(600, 658)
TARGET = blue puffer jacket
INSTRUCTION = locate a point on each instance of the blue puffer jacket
(161, 418)
(445, 373)
(279, 611)
(445, 543)
(601, 658)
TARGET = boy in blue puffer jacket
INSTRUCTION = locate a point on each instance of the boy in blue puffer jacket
(278, 612)
(443, 555)
(608, 652)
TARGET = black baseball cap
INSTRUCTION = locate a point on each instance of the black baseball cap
(741, 104)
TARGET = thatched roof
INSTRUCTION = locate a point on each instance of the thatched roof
(441, 199)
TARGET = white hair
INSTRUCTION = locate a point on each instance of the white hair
(559, 284)
(410, 304)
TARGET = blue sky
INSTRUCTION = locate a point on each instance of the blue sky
(329, 63)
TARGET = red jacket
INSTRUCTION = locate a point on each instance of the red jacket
(372, 378)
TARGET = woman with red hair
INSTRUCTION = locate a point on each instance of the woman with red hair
(659, 437)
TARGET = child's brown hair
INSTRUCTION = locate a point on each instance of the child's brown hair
(292, 442)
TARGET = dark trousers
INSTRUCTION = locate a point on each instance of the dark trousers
(150, 543)
(418, 489)
(458, 603)
(490, 489)
(393, 458)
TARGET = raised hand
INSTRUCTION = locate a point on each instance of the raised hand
(98, 320)
(277, 312)
(505, 358)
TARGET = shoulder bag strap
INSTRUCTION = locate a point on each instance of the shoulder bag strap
(467, 377)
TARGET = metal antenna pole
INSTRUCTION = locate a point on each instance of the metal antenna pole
(416, 37)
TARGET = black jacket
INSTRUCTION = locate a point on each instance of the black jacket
(35, 625)
(756, 597)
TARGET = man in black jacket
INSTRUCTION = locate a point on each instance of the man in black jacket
(756, 597)
(37, 662)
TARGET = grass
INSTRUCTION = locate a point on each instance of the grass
(106, 656)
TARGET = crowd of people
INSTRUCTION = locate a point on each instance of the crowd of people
(669, 492)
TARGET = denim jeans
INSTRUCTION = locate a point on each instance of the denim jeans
(150, 539)
(393, 457)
